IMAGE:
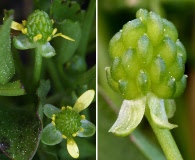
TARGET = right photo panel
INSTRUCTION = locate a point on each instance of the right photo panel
(146, 80)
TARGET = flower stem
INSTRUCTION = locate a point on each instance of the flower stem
(37, 69)
(165, 139)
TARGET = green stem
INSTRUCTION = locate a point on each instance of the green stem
(52, 68)
(165, 139)
(37, 69)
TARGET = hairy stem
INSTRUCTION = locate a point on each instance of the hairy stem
(165, 139)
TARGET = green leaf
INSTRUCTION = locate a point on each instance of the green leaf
(89, 129)
(46, 50)
(158, 113)
(22, 42)
(61, 10)
(12, 89)
(51, 136)
(64, 48)
(7, 69)
(49, 110)
(19, 133)
(130, 115)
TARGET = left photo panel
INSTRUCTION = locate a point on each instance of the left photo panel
(48, 80)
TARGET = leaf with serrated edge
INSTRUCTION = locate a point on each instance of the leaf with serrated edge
(130, 115)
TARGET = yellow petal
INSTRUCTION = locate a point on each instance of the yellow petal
(72, 148)
(17, 26)
(64, 36)
(84, 100)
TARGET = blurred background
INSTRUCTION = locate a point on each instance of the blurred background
(112, 14)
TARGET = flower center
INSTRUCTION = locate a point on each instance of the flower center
(68, 122)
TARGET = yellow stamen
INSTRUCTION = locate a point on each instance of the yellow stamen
(63, 136)
(81, 129)
(74, 134)
(52, 21)
(37, 37)
(69, 107)
(48, 39)
(63, 36)
(17, 26)
(63, 108)
(54, 31)
(53, 123)
(53, 117)
(82, 117)
(24, 30)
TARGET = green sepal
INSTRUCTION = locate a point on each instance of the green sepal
(12, 89)
(170, 30)
(154, 28)
(158, 112)
(113, 84)
(116, 47)
(22, 42)
(46, 50)
(7, 69)
(131, 32)
(51, 136)
(89, 129)
(49, 110)
(170, 107)
(130, 115)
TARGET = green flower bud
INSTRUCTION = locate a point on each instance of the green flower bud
(147, 57)
(39, 24)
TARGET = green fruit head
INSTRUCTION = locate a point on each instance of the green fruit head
(147, 57)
